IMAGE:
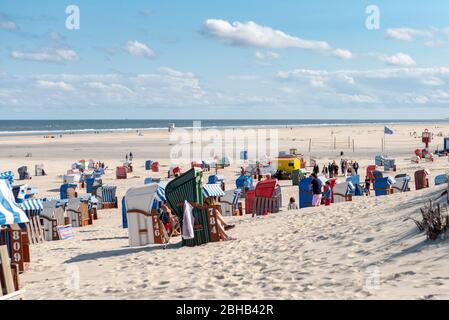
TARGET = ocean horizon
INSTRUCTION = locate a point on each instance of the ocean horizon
(31, 127)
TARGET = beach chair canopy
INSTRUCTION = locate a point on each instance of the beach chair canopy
(8, 176)
(32, 204)
(377, 174)
(10, 212)
(213, 190)
(266, 188)
(244, 181)
(215, 179)
(160, 194)
(141, 198)
(441, 179)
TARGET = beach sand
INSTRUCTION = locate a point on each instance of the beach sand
(364, 249)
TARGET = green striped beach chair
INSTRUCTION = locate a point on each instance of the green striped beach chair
(188, 187)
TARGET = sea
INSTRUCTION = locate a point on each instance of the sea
(39, 127)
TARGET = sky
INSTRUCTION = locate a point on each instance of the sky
(209, 59)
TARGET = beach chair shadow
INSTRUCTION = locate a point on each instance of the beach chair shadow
(120, 252)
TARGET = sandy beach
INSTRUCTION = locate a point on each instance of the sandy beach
(314, 253)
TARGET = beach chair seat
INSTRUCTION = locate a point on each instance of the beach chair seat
(143, 222)
(106, 196)
(39, 170)
(23, 173)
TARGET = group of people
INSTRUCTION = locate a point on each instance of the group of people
(129, 157)
(332, 170)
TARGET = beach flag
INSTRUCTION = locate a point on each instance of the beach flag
(388, 130)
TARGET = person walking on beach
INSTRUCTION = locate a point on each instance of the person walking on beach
(330, 169)
(316, 191)
(325, 171)
(355, 166)
(126, 157)
(335, 167)
(343, 167)
(131, 156)
(316, 169)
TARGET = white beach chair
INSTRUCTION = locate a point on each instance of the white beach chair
(340, 192)
(144, 225)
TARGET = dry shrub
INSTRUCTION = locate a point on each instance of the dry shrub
(434, 222)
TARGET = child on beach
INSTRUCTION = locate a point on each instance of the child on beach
(327, 193)
(292, 204)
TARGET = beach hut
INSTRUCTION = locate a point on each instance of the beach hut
(23, 173)
(78, 213)
(121, 172)
(389, 165)
(68, 191)
(39, 170)
(402, 183)
(187, 187)
(383, 186)
(268, 197)
(343, 191)
(305, 193)
(441, 179)
(422, 179)
(355, 180)
(155, 166)
(229, 202)
(107, 198)
(369, 172)
(143, 222)
(148, 164)
(53, 217)
(379, 160)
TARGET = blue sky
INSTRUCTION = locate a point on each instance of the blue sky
(224, 59)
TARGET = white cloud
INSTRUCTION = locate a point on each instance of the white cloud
(254, 35)
(432, 81)
(407, 34)
(241, 77)
(434, 43)
(342, 53)
(266, 56)
(137, 48)
(399, 59)
(46, 56)
(8, 25)
(45, 84)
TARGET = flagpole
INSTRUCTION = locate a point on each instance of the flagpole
(384, 142)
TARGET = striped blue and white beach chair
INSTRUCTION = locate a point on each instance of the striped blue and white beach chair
(8, 176)
(10, 211)
(107, 198)
(229, 202)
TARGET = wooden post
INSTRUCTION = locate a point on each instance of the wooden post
(335, 143)
(349, 142)
(310, 144)
(382, 142)
(353, 147)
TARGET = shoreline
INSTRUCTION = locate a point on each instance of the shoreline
(223, 127)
